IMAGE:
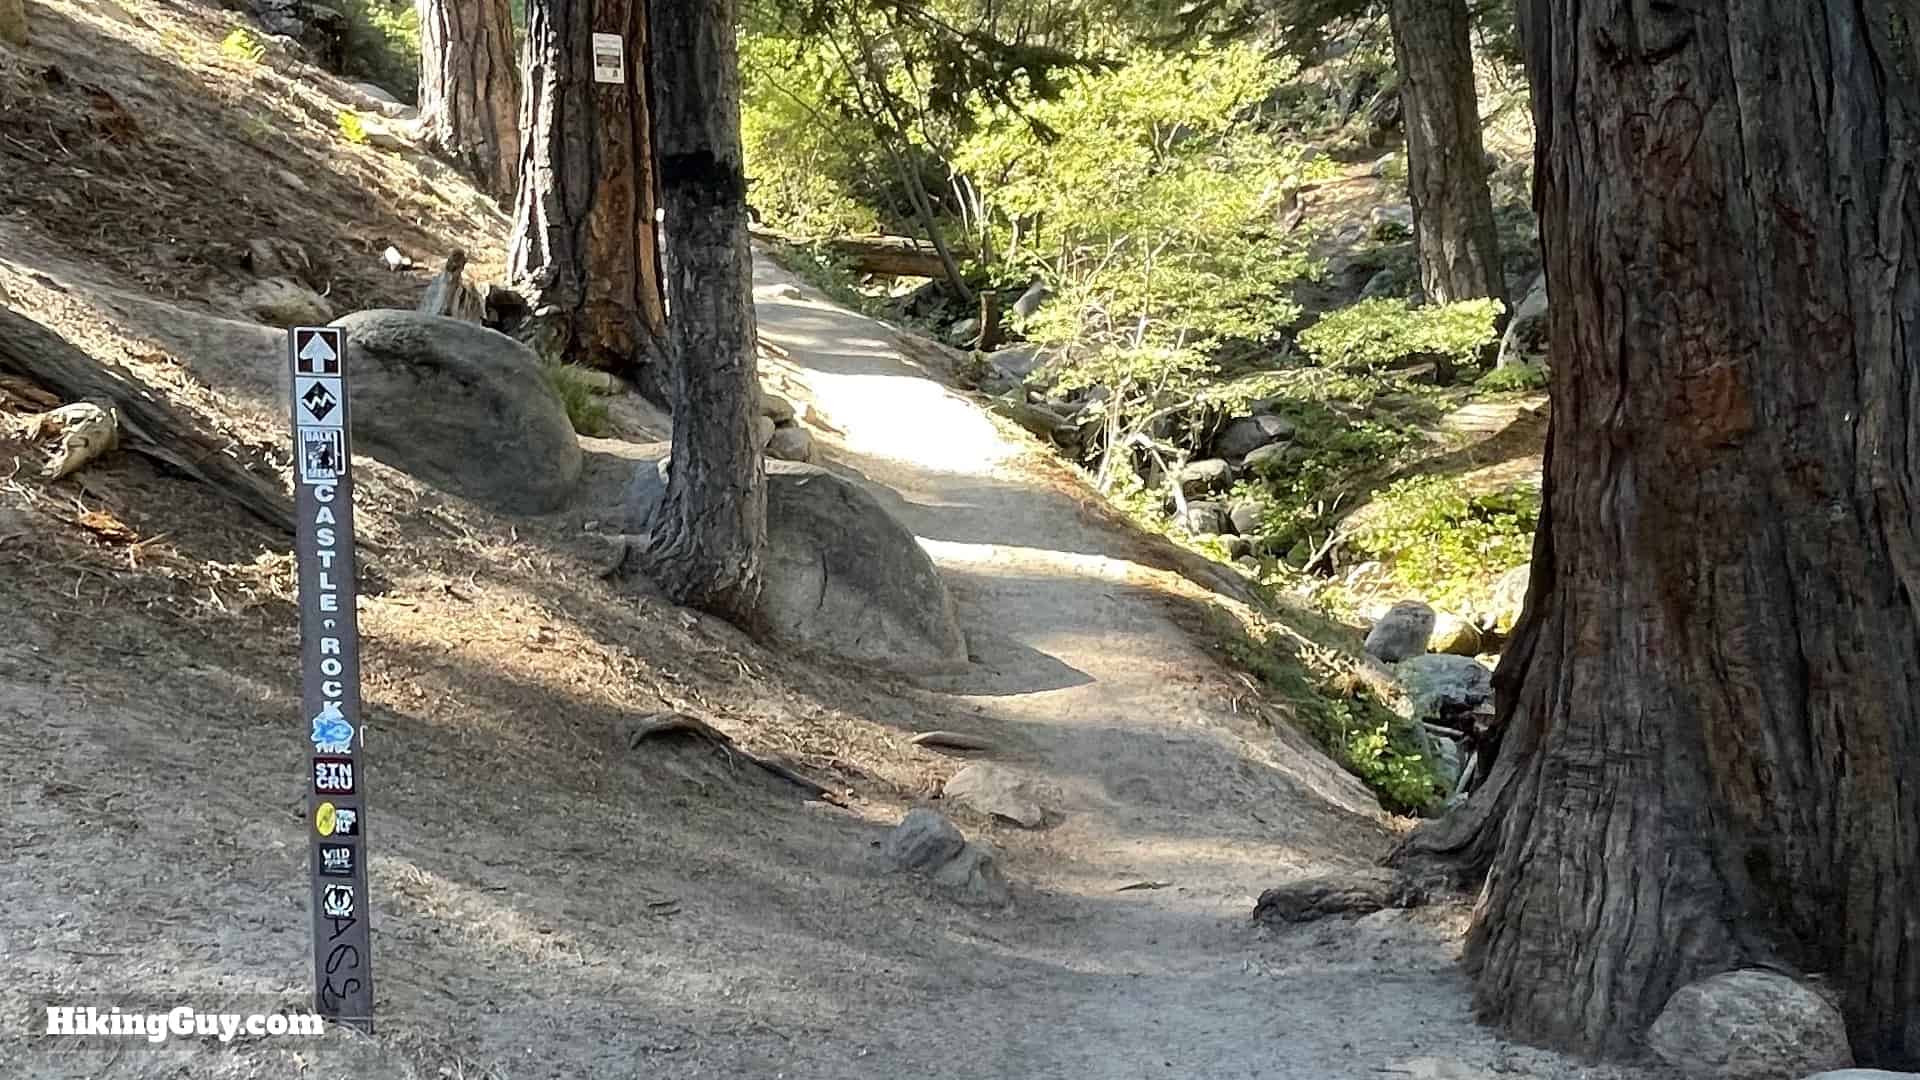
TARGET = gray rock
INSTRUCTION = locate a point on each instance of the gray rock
(1239, 547)
(1383, 165)
(1863, 1074)
(926, 843)
(462, 408)
(1245, 517)
(284, 302)
(763, 429)
(1395, 219)
(1525, 341)
(1031, 300)
(1017, 361)
(841, 576)
(791, 444)
(374, 96)
(995, 791)
(973, 877)
(1206, 475)
(1267, 459)
(1383, 283)
(776, 408)
(381, 137)
(1207, 519)
(1454, 635)
(1749, 1025)
(964, 331)
(1444, 687)
(1402, 632)
(923, 841)
(1246, 434)
(1509, 597)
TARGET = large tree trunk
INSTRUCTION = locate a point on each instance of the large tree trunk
(1453, 234)
(470, 90)
(710, 531)
(1713, 748)
(584, 247)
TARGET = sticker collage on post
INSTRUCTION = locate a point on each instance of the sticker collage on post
(330, 675)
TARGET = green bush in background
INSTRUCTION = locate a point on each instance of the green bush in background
(383, 45)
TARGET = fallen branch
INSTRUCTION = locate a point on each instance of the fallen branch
(148, 424)
(450, 296)
(955, 740)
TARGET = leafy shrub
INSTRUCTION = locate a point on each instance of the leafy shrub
(1377, 333)
(806, 166)
(1444, 542)
(1513, 379)
(243, 46)
(351, 129)
(1365, 738)
(585, 409)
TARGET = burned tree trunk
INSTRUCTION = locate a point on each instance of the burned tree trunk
(583, 249)
(709, 533)
(1453, 234)
(470, 90)
(1712, 756)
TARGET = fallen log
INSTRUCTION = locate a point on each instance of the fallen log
(887, 256)
(148, 424)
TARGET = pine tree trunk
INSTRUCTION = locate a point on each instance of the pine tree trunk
(584, 249)
(1713, 748)
(710, 531)
(470, 90)
(1454, 240)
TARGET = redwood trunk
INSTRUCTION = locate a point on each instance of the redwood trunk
(470, 90)
(710, 532)
(1713, 751)
(1453, 235)
(584, 248)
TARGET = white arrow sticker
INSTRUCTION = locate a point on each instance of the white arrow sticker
(319, 350)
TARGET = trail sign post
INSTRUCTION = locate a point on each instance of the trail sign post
(331, 725)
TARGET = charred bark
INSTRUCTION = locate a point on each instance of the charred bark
(584, 248)
(1453, 235)
(1713, 718)
(470, 89)
(709, 533)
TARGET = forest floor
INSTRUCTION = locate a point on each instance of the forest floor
(550, 900)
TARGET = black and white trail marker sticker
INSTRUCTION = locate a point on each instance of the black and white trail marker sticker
(332, 730)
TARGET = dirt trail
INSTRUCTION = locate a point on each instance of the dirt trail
(1129, 729)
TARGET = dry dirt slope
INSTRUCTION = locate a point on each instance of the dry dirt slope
(550, 901)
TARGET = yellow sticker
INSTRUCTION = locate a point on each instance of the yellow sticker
(323, 819)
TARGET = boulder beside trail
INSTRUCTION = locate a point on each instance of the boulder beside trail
(1402, 632)
(1750, 1024)
(1444, 687)
(841, 576)
(1204, 476)
(995, 792)
(1509, 597)
(791, 443)
(926, 843)
(461, 407)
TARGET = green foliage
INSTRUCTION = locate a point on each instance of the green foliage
(351, 129)
(1513, 379)
(1150, 211)
(1378, 333)
(811, 167)
(1365, 738)
(244, 46)
(1444, 542)
(383, 44)
(585, 408)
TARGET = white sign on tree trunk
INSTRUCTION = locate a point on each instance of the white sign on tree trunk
(609, 59)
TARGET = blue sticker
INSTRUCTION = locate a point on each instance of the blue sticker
(331, 732)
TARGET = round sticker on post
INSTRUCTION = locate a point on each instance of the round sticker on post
(323, 819)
